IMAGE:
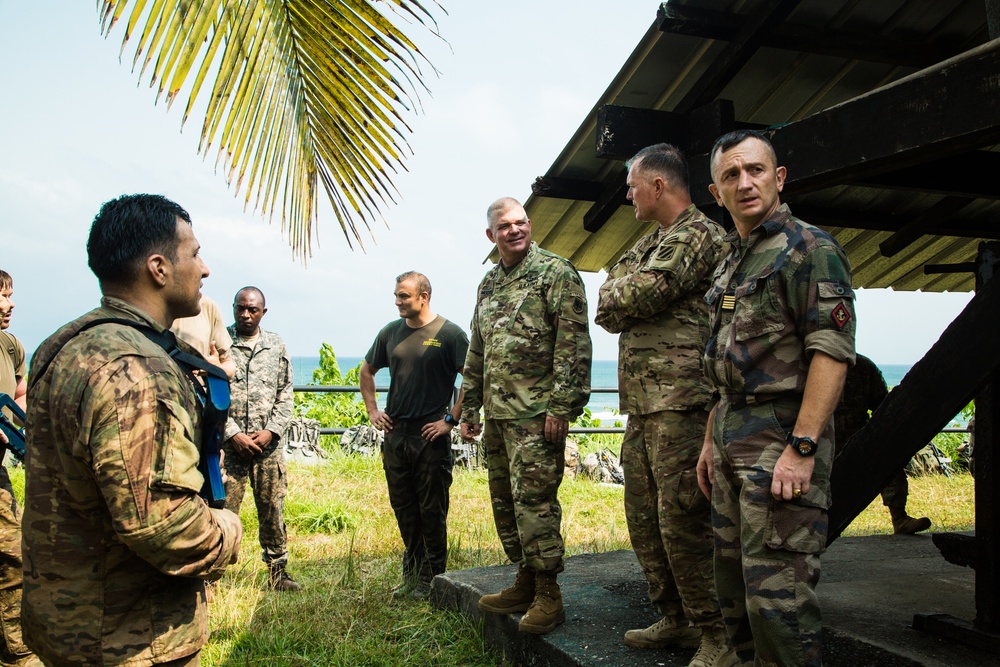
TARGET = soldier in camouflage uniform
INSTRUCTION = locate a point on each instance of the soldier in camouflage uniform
(261, 407)
(117, 541)
(782, 339)
(654, 297)
(529, 369)
(13, 368)
(864, 390)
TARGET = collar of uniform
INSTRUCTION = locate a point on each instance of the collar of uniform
(131, 312)
(504, 276)
(263, 339)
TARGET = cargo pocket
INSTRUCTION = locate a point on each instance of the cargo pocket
(799, 525)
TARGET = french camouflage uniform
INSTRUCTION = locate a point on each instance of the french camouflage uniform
(864, 391)
(12, 649)
(654, 297)
(261, 399)
(529, 356)
(781, 294)
(117, 541)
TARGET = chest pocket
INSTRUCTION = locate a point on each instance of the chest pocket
(758, 311)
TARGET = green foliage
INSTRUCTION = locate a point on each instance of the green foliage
(592, 442)
(332, 409)
(309, 516)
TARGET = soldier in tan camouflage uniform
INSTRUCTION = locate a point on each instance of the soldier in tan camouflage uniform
(782, 339)
(654, 297)
(13, 369)
(864, 390)
(117, 541)
(529, 369)
(261, 407)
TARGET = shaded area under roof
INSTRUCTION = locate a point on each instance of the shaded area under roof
(885, 113)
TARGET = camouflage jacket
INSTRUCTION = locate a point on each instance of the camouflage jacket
(116, 539)
(654, 296)
(261, 390)
(781, 294)
(864, 391)
(530, 351)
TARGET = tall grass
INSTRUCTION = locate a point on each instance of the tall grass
(345, 550)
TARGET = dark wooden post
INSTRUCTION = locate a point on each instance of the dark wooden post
(987, 475)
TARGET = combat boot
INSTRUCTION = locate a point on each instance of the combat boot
(714, 650)
(668, 631)
(904, 524)
(278, 578)
(546, 611)
(514, 599)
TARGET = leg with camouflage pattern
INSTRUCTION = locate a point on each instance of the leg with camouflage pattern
(501, 494)
(13, 651)
(894, 497)
(767, 552)
(669, 524)
(269, 480)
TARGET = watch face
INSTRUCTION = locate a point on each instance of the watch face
(805, 447)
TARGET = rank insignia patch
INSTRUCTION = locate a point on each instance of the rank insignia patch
(841, 316)
(728, 302)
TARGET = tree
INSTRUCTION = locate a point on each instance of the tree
(304, 92)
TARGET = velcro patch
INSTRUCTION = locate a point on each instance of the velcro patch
(579, 306)
(841, 316)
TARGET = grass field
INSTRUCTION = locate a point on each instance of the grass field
(345, 550)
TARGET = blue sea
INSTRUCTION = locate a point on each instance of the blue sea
(604, 375)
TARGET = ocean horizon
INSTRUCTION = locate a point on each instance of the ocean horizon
(603, 375)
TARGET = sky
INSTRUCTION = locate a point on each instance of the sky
(517, 78)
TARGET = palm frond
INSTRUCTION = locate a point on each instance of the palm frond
(304, 92)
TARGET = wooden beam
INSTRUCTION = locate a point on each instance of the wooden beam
(609, 203)
(922, 224)
(566, 188)
(944, 111)
(755, 27)
(624, 131)
(935, 390)
(958, 267)
(725, 26)
(938, 112)
(971, 175)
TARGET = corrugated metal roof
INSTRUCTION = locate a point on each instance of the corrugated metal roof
(776, 85)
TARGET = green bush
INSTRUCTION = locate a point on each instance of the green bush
(332, 409)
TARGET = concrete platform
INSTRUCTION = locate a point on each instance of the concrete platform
(870, 589)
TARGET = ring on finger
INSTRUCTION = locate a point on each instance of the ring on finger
(797, 492)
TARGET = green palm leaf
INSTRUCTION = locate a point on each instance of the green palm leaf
(305, 93)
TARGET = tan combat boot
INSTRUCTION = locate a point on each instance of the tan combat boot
(714, 650)
(278, 578)
(546, 611)
(668, 631)
(904, 524)
(515, 599)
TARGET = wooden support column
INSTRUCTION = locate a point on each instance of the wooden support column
(988, 473)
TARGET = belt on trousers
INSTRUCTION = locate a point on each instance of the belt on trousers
(740, 400)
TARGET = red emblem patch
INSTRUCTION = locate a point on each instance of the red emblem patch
(841, 316)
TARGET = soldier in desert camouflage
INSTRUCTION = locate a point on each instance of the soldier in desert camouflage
(261, 407)
(782, 339)
(117, 542)
(654, 297)
(528, 368)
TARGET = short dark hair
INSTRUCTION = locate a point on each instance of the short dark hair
(6, 282)
(735, 138)
(129, 229)
(423, 282)
(664, 160)
(250, 288)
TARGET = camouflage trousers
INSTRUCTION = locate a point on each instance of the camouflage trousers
(269, 481)
(13, 651)
(418, 474)
(896, 492)
(767, 551)
(524, 476)
(669, 518)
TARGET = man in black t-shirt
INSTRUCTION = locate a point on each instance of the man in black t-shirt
(424, 353)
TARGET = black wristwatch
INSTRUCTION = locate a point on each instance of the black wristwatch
(805, 445)
(451, 421)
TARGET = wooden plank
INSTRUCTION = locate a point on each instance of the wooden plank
(767, 15)
(609, 203)
(935, 390)
(624, 131)
(971, 175)
(922, 224)
(824, 41)
(566, 188)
